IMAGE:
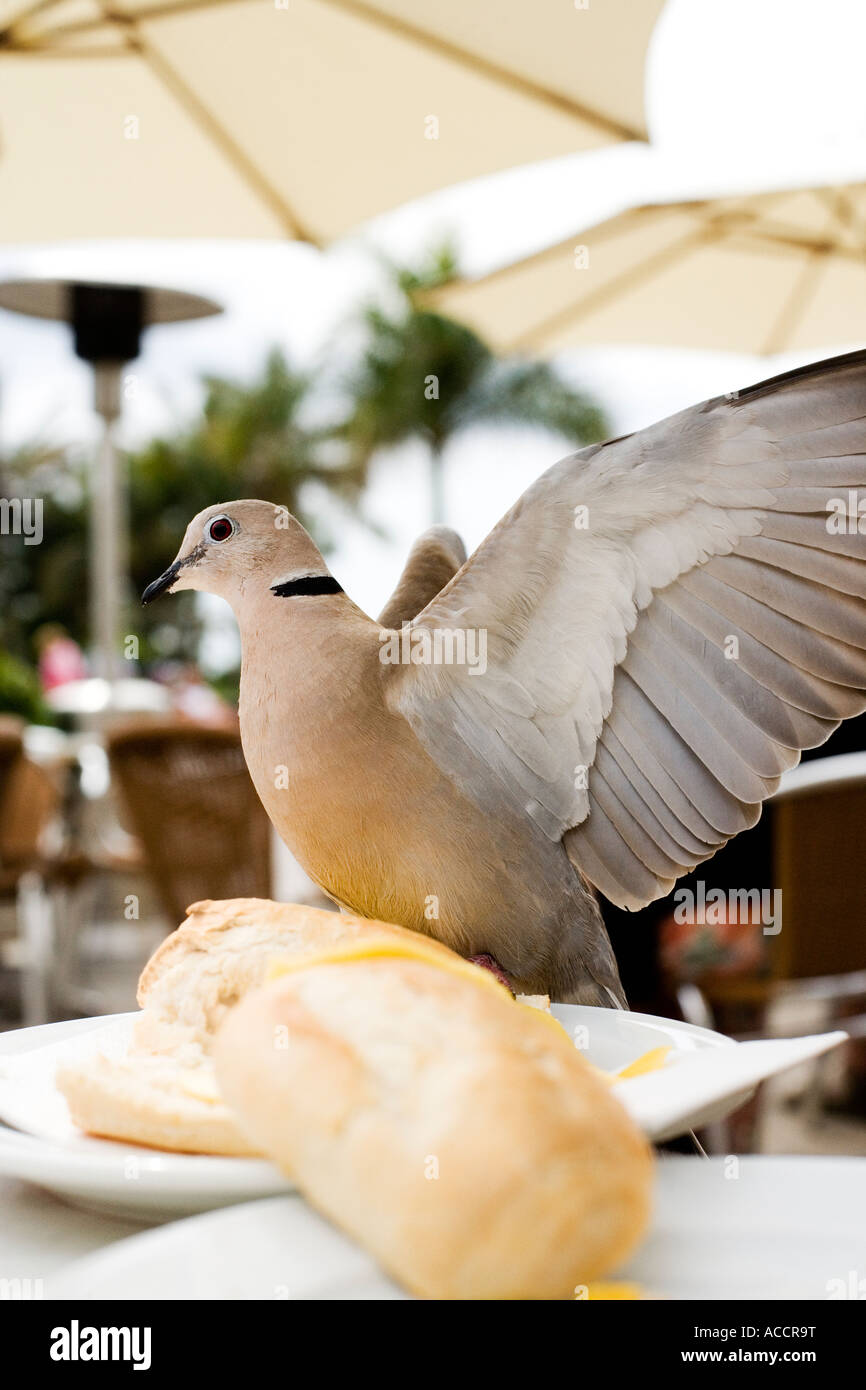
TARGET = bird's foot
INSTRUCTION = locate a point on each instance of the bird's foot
(487, 962)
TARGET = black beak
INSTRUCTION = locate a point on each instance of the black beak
(160, 585)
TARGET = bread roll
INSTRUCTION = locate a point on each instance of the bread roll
(223, 949)
(163, 1093)
(455, 1133)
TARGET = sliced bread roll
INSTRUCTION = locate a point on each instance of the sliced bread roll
(156, 1101)
(223, 950)
(454, 1132)
(163, 1093)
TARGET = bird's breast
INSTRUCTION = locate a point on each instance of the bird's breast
(368, 816)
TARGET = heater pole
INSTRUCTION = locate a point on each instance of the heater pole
(107, 529)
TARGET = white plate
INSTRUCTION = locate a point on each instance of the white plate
(766, 1228)
(705, 1078)
(122, 1179)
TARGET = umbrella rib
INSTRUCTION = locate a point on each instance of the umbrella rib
(839, 202)
(502, 272)
(619, 130)
(27, 13)
(627, 279)
(546, 253)
(795, 305)
(46, 41)
(804, 290)
(474, 62)
(205, 119)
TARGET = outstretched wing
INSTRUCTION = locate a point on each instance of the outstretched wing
(669, 618)
(435, 558)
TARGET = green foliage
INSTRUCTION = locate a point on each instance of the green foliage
(19, 690)
(43, 583)
(250, 440)
(227, 685)
(424, 375)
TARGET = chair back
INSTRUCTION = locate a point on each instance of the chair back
(11, 750)
(818, 833)
(191, 803)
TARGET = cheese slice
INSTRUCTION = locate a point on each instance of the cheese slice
(641, 1066)
(389, 948)
(383, 948)
(618, 1290)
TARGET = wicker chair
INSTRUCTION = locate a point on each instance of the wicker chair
(192, 805)
(816, 822)
(29, 802)
(11, 752)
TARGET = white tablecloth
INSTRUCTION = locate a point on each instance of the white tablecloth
(747, 1228)
(39, 1233)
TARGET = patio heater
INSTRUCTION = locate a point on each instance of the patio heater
(107, 321)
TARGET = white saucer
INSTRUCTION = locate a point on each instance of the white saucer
(127, 1180)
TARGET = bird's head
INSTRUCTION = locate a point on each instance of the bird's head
(240, 550)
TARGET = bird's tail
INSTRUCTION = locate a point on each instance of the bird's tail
(593, 974)
(603, 993)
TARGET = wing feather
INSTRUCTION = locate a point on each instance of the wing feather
(435, 558)
(670, 619)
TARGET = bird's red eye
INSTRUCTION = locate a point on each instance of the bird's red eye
(220, 529)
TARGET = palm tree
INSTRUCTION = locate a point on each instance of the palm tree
(252, 439)
(422, 375)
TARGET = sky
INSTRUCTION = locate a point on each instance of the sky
(741, 96)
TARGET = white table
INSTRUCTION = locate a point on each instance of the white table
(790, 1227)
(39, 1233)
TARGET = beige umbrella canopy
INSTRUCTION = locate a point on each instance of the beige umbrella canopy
(294, 117)
(766, 273)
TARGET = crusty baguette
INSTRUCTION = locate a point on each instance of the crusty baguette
(458, 1135)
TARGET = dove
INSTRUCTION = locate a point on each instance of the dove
(594, 702)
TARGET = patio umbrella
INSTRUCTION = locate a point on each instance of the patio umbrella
(300, 118)
(765, 273)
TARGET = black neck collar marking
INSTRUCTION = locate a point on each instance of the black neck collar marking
(311, 584)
